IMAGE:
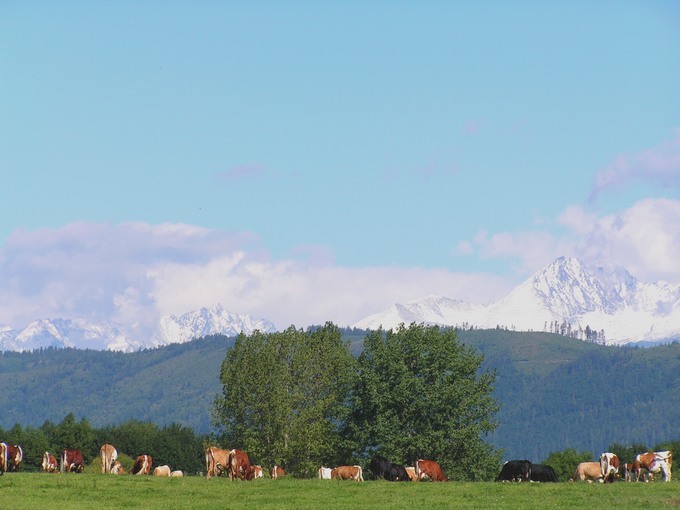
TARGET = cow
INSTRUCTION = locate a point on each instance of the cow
(429, 469)
(216, 461)
(398, 473)
(324, 473)
(411, 472)
(347, 473)
(162, 470)
(49, 463)
(238, 464)
(380, 467)
(71, 461)
(657, 462)
(589, 472)
(3, 458)
(14, 457)
(609, 465)
(108, 455)
(277, 472)
(254, 472)
(142, 465)
(515, 471)
(117, 468)
(542, 473)
(176, 474)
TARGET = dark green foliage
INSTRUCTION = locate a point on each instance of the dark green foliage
(564, 462)
(420, 394)
(284, 397)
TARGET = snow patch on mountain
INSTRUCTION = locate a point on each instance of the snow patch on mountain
(566, 291)
(80, 334)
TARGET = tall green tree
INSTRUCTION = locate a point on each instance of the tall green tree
(285, 397)
(422, 394)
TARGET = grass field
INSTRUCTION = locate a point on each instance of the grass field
(90, 491)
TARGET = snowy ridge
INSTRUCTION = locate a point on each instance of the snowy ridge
(566, 291)
(80, 334)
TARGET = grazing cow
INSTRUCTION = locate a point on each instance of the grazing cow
(3, 458)
(325, 473)
(380, 467)
(589, 472)
(657, 462)
(254, 472)
(515, 471)
(277, 472)
(398, 473)
(176, 474)
(14, 457)
(162, 471)
(49, 463)
(429, 469)
(117, 468)
(347, 473)
(108, 455)
(411, 472)
(142, 465)
(609, 465)
(216, 461)
(543, 473)
(238, 464)
(72, 461)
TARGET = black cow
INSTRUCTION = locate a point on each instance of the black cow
(515, 471)
(542, 473)
(380, 467)
(397, 473)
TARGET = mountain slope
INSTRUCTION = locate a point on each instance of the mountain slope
(555, 392)
(564, 293)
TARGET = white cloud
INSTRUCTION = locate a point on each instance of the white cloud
(659, 165)
(135, 273)
(644, 239)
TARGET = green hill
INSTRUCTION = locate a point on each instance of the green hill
(556, 392)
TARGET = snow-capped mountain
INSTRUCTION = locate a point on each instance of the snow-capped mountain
(109, 336)
(204, 322)
(565, 292)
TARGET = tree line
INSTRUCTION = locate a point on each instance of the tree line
(174, 445)
(300, 399)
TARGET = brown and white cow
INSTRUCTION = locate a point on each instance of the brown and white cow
(49, 463)
(238, 464)
(117, 468)
(176, 474)
(588, 472)
(108, 455)
(142, 465)
(162, 471)
(429, 469)
(254, 472)
(3, 458)
(277, 472)
(609, 465)
(216, 461)
(347, 473)
(657, 462)
(72, 461)
(15, 455)
(324, 473)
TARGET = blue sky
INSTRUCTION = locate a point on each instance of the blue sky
(313, 161)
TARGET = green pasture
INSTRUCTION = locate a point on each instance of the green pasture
(96, 491)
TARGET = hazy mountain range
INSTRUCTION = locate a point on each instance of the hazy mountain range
(564, 297)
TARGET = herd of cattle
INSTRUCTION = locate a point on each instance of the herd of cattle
(236, 464)
(608, 469)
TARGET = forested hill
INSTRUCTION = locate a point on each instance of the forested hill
(556, 392)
